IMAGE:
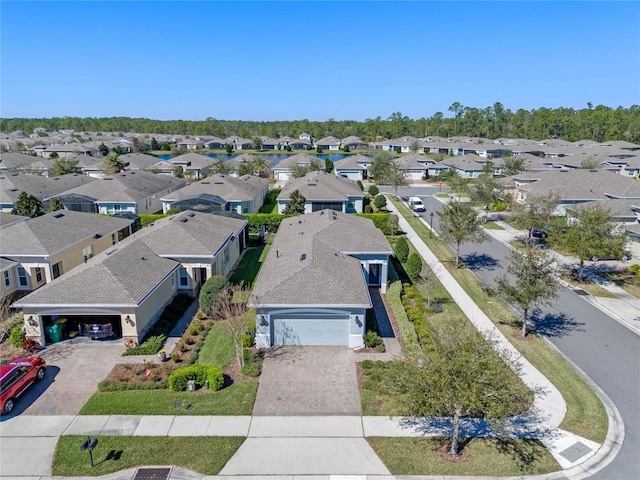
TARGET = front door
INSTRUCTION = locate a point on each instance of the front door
(374, 274)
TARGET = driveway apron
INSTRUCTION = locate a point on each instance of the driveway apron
(74, 369)
(308, 381)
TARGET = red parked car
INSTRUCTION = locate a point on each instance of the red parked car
(16, 376)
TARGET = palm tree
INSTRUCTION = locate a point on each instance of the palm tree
(261, 165)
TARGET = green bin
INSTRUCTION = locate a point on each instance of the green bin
(54, 332)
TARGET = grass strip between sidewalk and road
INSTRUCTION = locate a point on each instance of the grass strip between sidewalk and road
(586, 415)
(484, 457)
(204, 455)
(236, 399)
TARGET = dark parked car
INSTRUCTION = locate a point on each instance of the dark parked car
(16, 376)
(99, 330)
(539, 233)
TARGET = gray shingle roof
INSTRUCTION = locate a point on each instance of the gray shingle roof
(353, 162)
(120, 276)
(190, 234)
(193, 160)
(40, 187)
(231, 189)
(299, 159)
(56, 231)
(306, 264)
(322, 186)
(9, 219)
(127, 186)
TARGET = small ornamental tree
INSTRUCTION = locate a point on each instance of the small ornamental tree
(359, 182)
(380, 201)
(401, 250)
(413, 266)
(63, 166)
(113, 164)
(459, 223)
(210, 291)
(295, 205)
(54, 205)
(532, 281)
(373, 190)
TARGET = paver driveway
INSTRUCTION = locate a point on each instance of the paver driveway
(308, 381)
(74, 369)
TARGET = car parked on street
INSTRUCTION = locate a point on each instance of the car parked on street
(539, 233)
(16, 376)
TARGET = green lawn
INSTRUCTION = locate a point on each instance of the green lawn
(113, 454)
(248, 268)
(218, 348)
(486, 457)
(492, 226)
(236, 399)
(586, 415)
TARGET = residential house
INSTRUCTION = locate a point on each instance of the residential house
(214, 144)
(467, 166)
(575, 186)
(194, 165)
(353, 167)
(329, 143)
(139, 276)
(205, 245)
(220, 192)
(37, 250)
(324, 191)
(45, 151)
(354, 143)
(130, 191)
(142, 161)
(313, 288)
(282, 170)
(127, 286)
(239, 143)
(43, 188)
(26, 164)
(414, 167)
(191, 144)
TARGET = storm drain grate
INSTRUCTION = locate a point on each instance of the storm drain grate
(575, 452)
(580, 292)
(152, 474)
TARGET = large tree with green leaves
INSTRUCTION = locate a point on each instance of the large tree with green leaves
(64, 166)
(459, 223)
(536, 211)
(261, 165)
(590, 233)
(486, 190)
(27, 205)
(512, 165)
(295, 205)
(459, 374)
(54, 205)
(530, 280)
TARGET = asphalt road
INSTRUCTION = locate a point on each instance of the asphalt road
(605, 350)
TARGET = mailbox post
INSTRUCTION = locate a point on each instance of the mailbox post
(89, 444)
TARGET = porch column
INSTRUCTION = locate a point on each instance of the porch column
(34, 328)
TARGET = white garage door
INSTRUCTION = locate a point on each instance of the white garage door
(311, 331)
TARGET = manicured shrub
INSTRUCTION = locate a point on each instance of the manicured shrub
(407, 331)
(436, 307)
(210, 290)
(150, 346)
(373, 190)
(373, 340)
(386, 222)
(368, 209)
(270, 221)
(200, 374)
(17, 336)
(413, 266)
(380, 201)
(360, 185)
(401, 249)
(366, 364)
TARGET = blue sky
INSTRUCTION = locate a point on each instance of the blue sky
(292, 60)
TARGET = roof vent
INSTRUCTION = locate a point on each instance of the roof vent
(303, 256)
(107, 178)
(205, 183)
(97, 235)
(219, 183)
(191, 214)
(59, 215)
(321, 212)
(184, 220)
(313, 184)
(113, 250)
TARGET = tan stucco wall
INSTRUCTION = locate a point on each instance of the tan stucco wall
(147, 312)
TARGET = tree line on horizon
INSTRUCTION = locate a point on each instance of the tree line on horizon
(600, 123)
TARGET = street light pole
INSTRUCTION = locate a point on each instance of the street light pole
(431, 225)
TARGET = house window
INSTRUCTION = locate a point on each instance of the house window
(184, 277)
(57, 270)
(87, 252)
(226, 256)
(22, 277)
(7, 278)
(38, 274)
(113, 239)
